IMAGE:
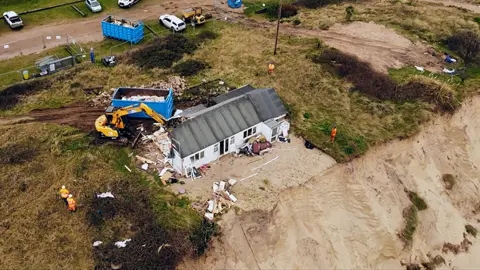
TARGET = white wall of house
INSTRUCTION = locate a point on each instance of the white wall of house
(212, 152)
(177, 161)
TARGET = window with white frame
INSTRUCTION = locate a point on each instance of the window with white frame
(215, 148)
(197, 156)
(232, 140)
(249, 132)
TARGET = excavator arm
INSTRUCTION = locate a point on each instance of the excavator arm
(142, 107)
(109, 126)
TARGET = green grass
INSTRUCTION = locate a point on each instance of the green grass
(309, 89)
(15, 66)
(174, 213)
(425, 21)
(405, 74)
(410, 215)
(44, 157)
(57, 14)
(419, 203)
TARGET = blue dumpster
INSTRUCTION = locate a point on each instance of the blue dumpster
(122, 29)
(235, 3)
(121, 98)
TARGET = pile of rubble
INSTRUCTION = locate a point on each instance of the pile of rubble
(222, 199)
(145, 98)
(178, 84)
(104, 99)
(156, 155)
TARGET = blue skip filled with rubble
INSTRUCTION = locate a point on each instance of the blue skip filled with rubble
(122, 29)
(161, 101)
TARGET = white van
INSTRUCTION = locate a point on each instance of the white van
(172, 22)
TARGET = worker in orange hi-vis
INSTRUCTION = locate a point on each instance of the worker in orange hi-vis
(72, 205)
(64, 194)
(271, 67)
(333, 134)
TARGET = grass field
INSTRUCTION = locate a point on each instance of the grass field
(37, 230)
(36, 159)
(56, 14)
(106, 47)
(414, 19)
(317, 100)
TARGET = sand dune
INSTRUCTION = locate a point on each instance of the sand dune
(350, 215)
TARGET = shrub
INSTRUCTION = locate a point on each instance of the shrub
(449, 181)
(202, 235)
(189, 67)
(360, 73)
(318, 3)
(17, 153)
(349, 11)
(410, 214)
(428, 90)
(306, 115)
(419, 203)
(381, 86)
(466, 44)
(206, 34)
(11, 95)
(288, 10)
(163, 52)
(471, 230)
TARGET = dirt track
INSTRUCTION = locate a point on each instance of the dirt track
(29, 39)
(80, 117)
(371, 42)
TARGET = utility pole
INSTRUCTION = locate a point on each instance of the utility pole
(278, 26)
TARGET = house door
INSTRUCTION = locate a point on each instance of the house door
(223, 147)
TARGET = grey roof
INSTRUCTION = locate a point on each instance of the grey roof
(234, 93)
(193, 110)
(271, 123)
(227, 118)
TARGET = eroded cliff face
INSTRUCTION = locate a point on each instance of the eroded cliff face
(350, 216)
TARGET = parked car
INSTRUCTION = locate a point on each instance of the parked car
(127, 3)
(93, 5)
(172, 22)
(12, 19)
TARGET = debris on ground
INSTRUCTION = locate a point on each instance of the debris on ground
(145, 98)
(122, 244)
(254, 146)
(97, 243)
(448, 71)
(421, 69)
(178, 84)
(222, 198)
(103, 99)
(105, 195)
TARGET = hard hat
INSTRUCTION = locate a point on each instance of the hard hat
(70, 196)
(63, 186)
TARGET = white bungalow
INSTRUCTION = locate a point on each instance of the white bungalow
(212, 132)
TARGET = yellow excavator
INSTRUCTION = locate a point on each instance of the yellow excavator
(113, 124)
(194, 16)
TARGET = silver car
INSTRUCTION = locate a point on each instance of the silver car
(93, 5)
